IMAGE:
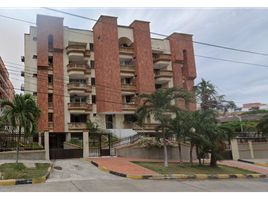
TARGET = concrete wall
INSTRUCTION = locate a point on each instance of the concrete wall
(23, 155)
(134, 151)
(249, 150)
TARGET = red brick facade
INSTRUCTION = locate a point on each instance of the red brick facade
(144, 60)
(107, 65)
(50, 26)
(183, 63)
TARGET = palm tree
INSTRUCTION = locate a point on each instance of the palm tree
(160, 102)
(23, 113)
(206, 93)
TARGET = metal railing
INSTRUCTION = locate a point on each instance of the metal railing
(252, 139)
(8, 141)
(83, 105)
(75, 47)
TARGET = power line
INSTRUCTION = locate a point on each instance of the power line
(202, 43)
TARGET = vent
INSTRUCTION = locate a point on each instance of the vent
(34, 93)
(34, 75)
(34, 56)
(22, 58)
(35, 38)
(95, 115)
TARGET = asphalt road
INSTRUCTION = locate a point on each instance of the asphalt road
(78, 175)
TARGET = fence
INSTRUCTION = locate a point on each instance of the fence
(8, 141)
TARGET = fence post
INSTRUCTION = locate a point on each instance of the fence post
(40, 138)
(251, 149)
(235, 150)
(68, 137)
(85, 144)
(47, 144)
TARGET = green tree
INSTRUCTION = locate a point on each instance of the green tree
(160, 102)
(22, 113)
(262, 126)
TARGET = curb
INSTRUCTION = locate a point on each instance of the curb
(179, 176)
(26, 181)
(254, 163)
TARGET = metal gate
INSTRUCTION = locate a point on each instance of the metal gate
(99, 144)
(57, 149)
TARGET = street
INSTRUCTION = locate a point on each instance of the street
(78, 175)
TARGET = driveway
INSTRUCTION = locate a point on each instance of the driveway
(77, 169)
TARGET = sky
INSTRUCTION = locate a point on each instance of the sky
(244, 80)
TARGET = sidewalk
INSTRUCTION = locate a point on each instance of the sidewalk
(124, 166)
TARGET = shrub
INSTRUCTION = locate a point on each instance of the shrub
(152, 142)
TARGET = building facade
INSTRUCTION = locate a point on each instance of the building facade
(6, 87)
(81, 74)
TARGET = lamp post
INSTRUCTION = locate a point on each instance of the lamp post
(240, 119)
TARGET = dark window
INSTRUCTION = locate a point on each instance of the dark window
(34, 93)
(130, 118)
(128, 99)
(128, 80)
(91, 46)
(78, 118)
(50, 78)
(94, 99)
(34, 75)
(50, 60)
(92, 81)
(50, 117)
(92, 64)
(34, 56)
(50, 42)
(50, 97)
(157, 86)
(94, 114)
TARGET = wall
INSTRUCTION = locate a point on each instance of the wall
(134, 151)
(23, 155)
(106, 48)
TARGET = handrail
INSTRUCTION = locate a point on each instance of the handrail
(114, 127)
(137, 126)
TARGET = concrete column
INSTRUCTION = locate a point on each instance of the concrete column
(251, 149)
(85, 144)
(235, 150)
(68, 137)
(39, 139)
(47, 144)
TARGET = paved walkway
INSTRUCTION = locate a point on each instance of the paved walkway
(122, 165)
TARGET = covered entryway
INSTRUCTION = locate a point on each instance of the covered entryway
(59, 149)
(109, 121)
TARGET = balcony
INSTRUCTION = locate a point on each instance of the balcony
(129, 107)
(126, 53)
(76, 52)
(79, 106)
(161, 60)
(77, 126)
(77, 68)
(163, 76)
(128, 89)
(127, 71)
(50, 125)
(50, 104)
(50, 67)
(76, 87)
(149, 126)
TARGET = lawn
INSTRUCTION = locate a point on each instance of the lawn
(174, 168)
(11, 171)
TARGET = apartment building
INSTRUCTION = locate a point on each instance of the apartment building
(6, 88)
(82, 74)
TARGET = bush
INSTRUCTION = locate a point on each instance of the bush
(152, 142)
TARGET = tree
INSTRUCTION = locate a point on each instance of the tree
(262, 126)
(23, 113)
(206, 93)
(180, 127)
(224, 105)
(160, 102)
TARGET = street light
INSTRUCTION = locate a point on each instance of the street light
(240, 119)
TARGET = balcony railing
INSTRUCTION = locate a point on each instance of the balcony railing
(50, 125)
(50, 104)
(50, 66)
(80, 106)
(75, 49)
(149, 126)
(77, 125)
(126, 50)
(162, 57)
(127, 87)
(163, 73)
(50, 86)
(79, 86)
(127, 68)
(129, 106)
(77, 66)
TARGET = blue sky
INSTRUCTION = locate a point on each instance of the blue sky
(235, 27)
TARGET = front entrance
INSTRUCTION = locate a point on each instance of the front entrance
(109, 121)
(57, 149)
(99, 144)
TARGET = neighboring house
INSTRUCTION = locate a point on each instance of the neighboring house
(78, 75)
(250, 117)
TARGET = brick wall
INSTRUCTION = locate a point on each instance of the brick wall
(46, 26)
(107, 65)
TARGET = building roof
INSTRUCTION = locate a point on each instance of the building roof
(251, 117)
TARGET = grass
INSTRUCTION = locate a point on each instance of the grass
(174, 168)
(11, 171)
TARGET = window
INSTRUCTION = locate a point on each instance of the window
(78, 99)
(34, 75)
(34, 56)
(128, 99)
(92, 64)
(94, 99)
(34, 93)
(50, 59)
(127, 80)
(157, 86)
(91, 46)
(50, 117)
(50, 78)
(77, 80)
(93, 81)
(50, 97)
(78, 118)
(130, 118)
